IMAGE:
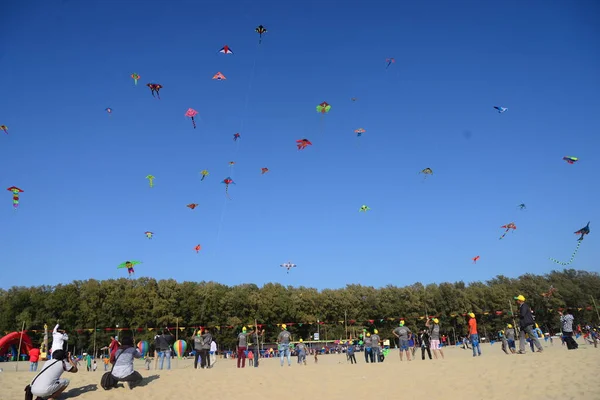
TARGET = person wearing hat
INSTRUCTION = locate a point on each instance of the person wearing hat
(59, 339)
(283, 341)
(403, 333)
(368, 348)
(434, 337)
(197, 339)
(242, 346)
(473, 335)
(527, 325)
(301, 349)
(509, 333)
(375, 349)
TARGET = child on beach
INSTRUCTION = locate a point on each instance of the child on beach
(147, 362)
(316, 356)
(94, 366)
(250, 358)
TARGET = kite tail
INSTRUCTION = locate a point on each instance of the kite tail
(158, 95)
(227, 191)
(203, 176)
(193, 122)
(504, 234)
(572, 256)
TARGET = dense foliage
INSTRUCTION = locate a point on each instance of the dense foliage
(146, 303)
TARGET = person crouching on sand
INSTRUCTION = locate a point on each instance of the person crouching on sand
(47, 384)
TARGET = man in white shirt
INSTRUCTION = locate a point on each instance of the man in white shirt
(213, 352)
(47, 383)
(59, 337)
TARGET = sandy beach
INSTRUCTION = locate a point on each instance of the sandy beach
(494, 375)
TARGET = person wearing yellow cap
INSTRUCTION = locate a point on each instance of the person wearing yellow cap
(473, 335)
(283, 341)
(242, 347)
(368, 348)
(509, 332)
(403, 334)
(375, 347)
(527, 325)
(301, 349)
(434, 337)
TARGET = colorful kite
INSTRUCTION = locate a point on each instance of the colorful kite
(288, 265)
(302, 143)
(191, 113)
(323, 108)
(149, 234)
(4, 128)
(522, 206)
(204, 174)
(15, 191)
(192, 205)
(225, 50)
(475, 259)
(583, 231)
(389, 61)
(236, 136)
(198, 248)
(227, 181)
(129, 265)
(571, 160)
(135, 77)
(260, 30)
(508, 227)
(500, 109)
(150, 179)
(108, 110)
(426, 172)
(359, 132)
(155, 89)
(364, 208)
(264, 171)
(231, 163)
(219, 76)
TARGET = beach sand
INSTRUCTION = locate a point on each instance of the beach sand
(555, 374)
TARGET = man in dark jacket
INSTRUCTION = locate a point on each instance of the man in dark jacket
(527, 325)
(162, 344)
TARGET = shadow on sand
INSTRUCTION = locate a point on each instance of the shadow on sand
(79, 391)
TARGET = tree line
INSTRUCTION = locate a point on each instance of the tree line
(146, 303)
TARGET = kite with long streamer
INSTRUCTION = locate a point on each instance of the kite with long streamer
(155, 89)
(227, 181)
(204, 174)
(15, 191)
(191, 113)
(583, 231)
(150, 179)
(135, 77)
(4, 128)
(508, 227)
(260, 30)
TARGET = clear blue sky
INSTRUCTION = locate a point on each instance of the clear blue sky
(86, 202)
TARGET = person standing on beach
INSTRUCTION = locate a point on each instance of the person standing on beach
(283, 341)
(425, 342)
(59, 340)
(213, 352)
(434, 337)
(566, 322)
(510, 337)
(403, 334)
(197, 338)
(473, 335)
(368, 348)
(162, 344)
(112, 348)
(301, 349)
(350, 352)
(375, 349)
(34, 357)
(204, 353)
(242, 347)
(527, 324)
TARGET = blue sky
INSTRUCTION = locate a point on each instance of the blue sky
(86, 202)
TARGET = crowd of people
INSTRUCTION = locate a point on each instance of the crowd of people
(48, 383)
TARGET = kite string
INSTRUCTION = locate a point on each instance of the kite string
(572, 256)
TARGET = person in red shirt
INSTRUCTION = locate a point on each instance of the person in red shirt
(112, 348)
(473, 335)
(34, 357)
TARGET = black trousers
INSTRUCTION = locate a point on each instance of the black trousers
(205, 358)
(352, 358)
(196, 358)
(423, 352)
(571, 343)
(134, 378)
